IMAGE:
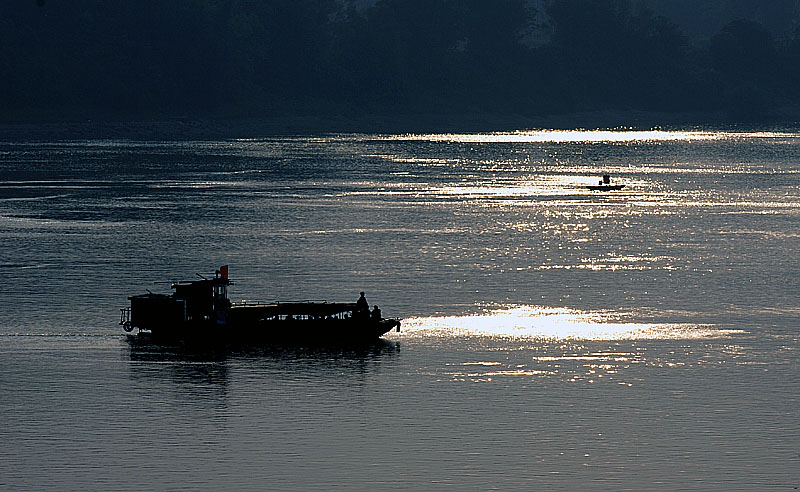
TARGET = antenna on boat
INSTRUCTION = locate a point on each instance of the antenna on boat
(201, 276)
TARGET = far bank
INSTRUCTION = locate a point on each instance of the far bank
(233, 128)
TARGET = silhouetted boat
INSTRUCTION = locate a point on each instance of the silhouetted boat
(200, 310)
(605, 185)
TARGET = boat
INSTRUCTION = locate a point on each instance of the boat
(199, 310)
(600, 187)
(605, 185)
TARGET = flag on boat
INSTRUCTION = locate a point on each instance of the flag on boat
(223, 271)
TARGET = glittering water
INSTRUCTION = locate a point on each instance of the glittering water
(553, 337)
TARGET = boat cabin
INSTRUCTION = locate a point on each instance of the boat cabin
(196, 302)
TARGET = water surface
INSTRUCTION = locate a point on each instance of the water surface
(553, 337)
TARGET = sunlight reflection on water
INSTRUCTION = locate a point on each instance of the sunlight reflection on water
(555, 323)
(589, 136)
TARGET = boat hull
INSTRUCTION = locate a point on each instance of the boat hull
(605, 187)
(274, 331)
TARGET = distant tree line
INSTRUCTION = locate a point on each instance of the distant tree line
(82, 59)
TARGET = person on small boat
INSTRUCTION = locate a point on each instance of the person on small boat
(362, 306)
(376, 313)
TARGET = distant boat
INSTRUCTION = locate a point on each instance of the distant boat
(199, 310)
(605, 185)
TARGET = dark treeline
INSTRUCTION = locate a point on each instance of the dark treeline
(82, 59)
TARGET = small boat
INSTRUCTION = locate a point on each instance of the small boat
(605, 185)
(199, 310)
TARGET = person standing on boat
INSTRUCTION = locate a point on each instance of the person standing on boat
(362, 306)
(376, 313)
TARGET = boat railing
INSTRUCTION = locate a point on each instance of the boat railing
(252, 302)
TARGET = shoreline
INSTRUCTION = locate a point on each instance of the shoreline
(235, 128)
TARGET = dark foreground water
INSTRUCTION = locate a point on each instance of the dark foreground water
(553, 338)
